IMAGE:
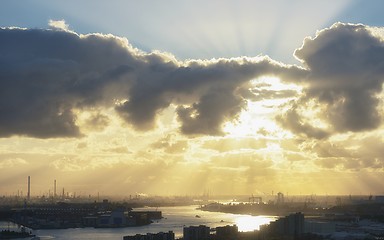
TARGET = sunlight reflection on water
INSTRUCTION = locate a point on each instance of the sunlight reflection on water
(250, 223)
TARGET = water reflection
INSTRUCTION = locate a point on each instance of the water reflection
(251, 223)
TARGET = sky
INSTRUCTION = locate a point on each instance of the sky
(189, 97)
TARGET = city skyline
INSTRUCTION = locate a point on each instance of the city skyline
(184, 97)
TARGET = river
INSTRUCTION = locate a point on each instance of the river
(174, 219)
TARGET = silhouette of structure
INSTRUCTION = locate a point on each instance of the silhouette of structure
(196, 233)
(63, 215)
(54, 189)
(29, 188)
(289, 226)
(227, 232)
(254, 200)
(280, 198)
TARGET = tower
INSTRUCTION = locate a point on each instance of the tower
(54, 189)
(280, 198)
(29, 188)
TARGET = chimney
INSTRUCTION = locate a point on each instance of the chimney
(29, 188)
(54, 189)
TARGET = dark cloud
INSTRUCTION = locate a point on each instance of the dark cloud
(46, 74)
(293, 121)
(206, 92)
(346, 74)
(213, 109)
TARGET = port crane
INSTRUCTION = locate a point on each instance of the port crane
(254, 199)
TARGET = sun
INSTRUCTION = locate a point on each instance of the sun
(254, 120)
(259, 116)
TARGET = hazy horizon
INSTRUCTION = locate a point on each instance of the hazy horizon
(185, 97)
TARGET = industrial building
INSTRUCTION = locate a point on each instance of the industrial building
(227, 232)
(201, 232)
(290, 227)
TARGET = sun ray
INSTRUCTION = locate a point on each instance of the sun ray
(258, 118)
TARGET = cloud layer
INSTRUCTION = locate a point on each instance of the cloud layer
(345, 78)
(48, 75)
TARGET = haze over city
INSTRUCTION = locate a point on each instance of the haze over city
(189, 97)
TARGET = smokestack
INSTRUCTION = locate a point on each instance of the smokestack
(54, 189)
(29, 188)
